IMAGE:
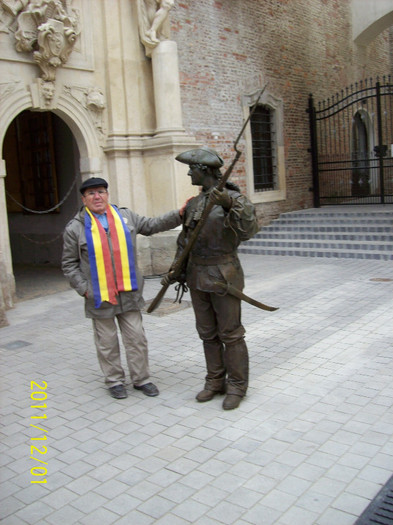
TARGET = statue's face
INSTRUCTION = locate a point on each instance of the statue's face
(48, 90)
(197, 175)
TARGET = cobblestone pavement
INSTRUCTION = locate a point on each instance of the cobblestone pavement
(310, 444)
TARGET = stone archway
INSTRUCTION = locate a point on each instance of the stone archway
(42, 163)
(74, 127)
(370, 18)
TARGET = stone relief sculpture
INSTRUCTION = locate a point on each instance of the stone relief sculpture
(151, 17)
(47, 92)
(6, 88)
(43, 94)
(47, 28)
(93, 100)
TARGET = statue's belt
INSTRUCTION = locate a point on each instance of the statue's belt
(210, 261)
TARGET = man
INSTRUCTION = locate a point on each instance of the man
(213, 259)
(99, 261)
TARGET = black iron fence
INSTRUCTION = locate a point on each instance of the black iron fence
(352, 145)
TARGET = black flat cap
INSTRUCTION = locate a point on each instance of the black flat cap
(204, 155)
(93, 182)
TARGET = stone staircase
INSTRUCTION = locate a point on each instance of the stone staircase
(364, 232)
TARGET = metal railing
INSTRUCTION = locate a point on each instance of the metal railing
(351, 137)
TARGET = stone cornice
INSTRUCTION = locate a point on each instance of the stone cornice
(124, 143)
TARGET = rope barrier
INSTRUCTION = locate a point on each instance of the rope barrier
(50, 241)
(42, 212)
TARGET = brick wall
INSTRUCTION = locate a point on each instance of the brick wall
(228, 47)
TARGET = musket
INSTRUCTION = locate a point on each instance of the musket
(177, 268)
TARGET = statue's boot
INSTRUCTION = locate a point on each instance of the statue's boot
(216, 372)
(237, 366)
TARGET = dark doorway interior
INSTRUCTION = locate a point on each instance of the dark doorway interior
(42, 163)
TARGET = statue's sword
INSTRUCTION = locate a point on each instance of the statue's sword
(228, 288)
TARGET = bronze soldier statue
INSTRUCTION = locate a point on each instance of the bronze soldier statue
(212, 264)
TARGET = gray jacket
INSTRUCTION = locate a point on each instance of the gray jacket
(76, 267)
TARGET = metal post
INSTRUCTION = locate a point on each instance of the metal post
(380, 143)
(314, 150)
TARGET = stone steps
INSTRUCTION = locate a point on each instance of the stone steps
(365, 233)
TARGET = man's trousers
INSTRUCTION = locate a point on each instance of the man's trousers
(135, 344)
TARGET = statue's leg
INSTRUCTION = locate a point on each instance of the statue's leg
(206, 324)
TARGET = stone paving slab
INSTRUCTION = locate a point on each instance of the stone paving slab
(311, 444)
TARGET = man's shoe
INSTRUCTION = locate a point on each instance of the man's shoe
(231, 401)
(118, 392)
(149, 389)
(207, 395)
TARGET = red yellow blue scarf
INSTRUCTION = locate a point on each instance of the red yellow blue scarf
(105, 285)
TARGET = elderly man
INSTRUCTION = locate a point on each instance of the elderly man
(99, 261)
(213, 259)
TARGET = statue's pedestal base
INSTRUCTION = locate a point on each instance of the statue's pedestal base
(156, 253)
(167, 88)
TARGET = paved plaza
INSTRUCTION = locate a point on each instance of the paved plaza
(311, 444)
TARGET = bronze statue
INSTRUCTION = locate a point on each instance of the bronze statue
(212, 264)
(214, 224)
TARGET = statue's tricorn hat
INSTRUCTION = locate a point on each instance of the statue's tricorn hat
(93, 182)
(203, 155)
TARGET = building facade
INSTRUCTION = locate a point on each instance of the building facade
(117, 88)
(228, 51)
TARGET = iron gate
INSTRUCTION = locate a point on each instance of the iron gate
(352, 145)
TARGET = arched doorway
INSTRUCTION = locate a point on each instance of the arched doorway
(42, 165)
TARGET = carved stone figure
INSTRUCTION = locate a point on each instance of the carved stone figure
(47, 91)
(95, 103)
(48, 28)
(95, 100)
(151, 16)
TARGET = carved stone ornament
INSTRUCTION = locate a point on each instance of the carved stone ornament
(93, 100)
(43, 94)
(6, 88)
(47, 28)
(152, 15)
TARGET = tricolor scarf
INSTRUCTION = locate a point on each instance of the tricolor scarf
(105, 285)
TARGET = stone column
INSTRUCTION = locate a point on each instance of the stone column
(4, 234)
(167, 88)
(7, 281)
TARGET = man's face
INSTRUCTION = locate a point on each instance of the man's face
(96, 199)
(197, 175)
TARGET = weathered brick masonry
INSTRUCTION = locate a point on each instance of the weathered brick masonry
(229, 47)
